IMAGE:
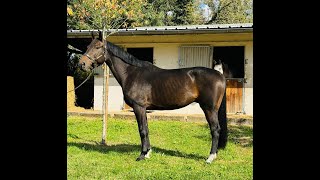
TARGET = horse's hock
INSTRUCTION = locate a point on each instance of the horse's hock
(71, 97)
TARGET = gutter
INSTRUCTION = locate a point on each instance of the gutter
(176, 31)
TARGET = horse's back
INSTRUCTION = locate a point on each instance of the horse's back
(199, 78)
(171, 89)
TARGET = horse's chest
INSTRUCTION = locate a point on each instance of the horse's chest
(137, 93)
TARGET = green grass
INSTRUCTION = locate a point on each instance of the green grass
(179, 151)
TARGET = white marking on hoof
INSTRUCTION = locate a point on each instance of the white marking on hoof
(211, 158)
(148, 154)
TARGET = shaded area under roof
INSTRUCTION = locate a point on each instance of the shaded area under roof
(79, 43)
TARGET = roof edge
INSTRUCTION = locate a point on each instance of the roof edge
(169, 30)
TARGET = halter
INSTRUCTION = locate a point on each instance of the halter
(92, 59)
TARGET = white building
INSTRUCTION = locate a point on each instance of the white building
(173, 47)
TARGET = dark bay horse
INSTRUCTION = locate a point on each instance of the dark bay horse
(147, 87)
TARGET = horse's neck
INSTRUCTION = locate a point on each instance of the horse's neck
(119, 69)
(226, 71)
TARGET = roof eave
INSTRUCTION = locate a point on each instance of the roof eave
(130, 32)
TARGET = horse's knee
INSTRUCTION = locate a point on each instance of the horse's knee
(215, 130)
(218, 128)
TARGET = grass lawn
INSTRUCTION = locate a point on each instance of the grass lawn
(179, 151)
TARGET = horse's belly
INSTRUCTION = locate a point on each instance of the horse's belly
(165, 107)
(173, 101)
(173, 95)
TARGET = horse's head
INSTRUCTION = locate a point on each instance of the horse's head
(218, 66)
(223, 68)
(95, 54)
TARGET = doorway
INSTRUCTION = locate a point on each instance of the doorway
(234, 57)
(144, 54)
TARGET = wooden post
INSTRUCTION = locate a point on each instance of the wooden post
(105, 96)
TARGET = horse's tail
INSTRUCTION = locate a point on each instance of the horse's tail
(222, 117)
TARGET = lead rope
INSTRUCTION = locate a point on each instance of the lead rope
(82, 82)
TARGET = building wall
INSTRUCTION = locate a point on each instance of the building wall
(166, 56)
(166, 53)
(115, 95)
(248, 106)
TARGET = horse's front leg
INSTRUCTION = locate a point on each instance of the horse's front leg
(141, 116)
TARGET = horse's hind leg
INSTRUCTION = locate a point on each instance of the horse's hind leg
(212, 118)
(140, 113)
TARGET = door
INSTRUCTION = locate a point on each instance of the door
(234, 95)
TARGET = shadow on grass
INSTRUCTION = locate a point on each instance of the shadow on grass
(240, 135)
(121, 148)
(73, 136)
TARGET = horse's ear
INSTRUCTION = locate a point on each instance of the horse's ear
(100, 35)
(92, 35)
(214, 62)
(219, 61)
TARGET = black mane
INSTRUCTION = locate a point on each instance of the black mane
(127, 57)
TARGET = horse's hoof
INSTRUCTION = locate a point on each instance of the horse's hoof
(144, 155)
(211, 158)
(141, 157)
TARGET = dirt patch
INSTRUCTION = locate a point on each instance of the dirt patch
(240, 119)
(240, 116)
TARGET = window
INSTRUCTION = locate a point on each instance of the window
(192, 56)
